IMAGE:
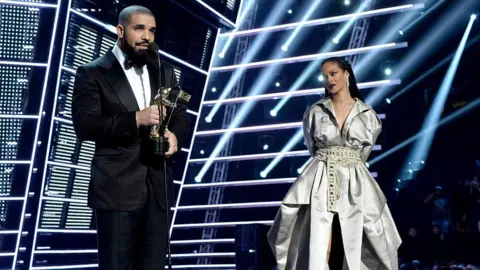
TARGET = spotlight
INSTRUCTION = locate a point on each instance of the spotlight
(397, 190)
(284, 48)
(336, 40)
(265, 142)
(367, 165)
(290, 11)
(388, 100)
(214, 89)
(410, 171)
(221, 55)
(198, 179)
(423, 162)
(473, 16)
(263, 174)
(347, 2)
(273, 113)
(202, 152)
(208, 119)
(398, 180)
(400, 32)
(299, 170)
(278, 79)
(388, 71)
(320, 78)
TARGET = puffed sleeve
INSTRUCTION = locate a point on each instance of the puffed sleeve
(374, 126)
(308, 125)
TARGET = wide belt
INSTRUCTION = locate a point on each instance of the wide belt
(331, 156)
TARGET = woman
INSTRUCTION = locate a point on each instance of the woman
(340, 131)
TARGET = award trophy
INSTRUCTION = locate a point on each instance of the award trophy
(168, 97)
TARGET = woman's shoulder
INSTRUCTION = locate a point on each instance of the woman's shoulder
(368, 114)
(364, 105)
(314, 107)
(319, 103)
(367, 108)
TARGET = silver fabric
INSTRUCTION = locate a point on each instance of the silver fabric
(336, 181)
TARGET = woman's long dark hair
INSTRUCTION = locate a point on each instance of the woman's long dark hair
(345, 66)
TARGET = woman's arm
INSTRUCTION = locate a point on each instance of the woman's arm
(309, 140)
(374, 125)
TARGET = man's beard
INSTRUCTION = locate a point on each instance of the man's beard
(138, 57)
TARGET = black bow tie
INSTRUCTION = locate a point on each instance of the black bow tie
(134, 62)
(129, 63)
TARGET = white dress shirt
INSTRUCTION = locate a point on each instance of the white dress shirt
(138, 79)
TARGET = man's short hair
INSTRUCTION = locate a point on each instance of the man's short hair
(126, 14)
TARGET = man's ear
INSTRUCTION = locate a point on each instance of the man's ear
(120, 31)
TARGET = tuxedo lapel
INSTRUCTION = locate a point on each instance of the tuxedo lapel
(117, 79)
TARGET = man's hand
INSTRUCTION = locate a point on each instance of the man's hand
(149, 116)
(172, 140)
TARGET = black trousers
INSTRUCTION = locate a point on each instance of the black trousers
(134, 240)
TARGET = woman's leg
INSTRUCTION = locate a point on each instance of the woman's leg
(335, 252)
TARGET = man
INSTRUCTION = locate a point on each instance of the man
(111, 100)
(413, 246)
(440, 213)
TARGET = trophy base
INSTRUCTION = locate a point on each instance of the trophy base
(159, 145)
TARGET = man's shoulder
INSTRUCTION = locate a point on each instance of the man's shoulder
(169, 73)
(166, 66)
(96, 63)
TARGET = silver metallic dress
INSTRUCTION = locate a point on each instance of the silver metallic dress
(336, 181)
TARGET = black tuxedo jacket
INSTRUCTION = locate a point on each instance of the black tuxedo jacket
(103, 111)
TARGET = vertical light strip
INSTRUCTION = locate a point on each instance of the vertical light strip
(37, 131)
(194, 134)
(62, 53)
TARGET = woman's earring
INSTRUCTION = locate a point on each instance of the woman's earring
(348, 82)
